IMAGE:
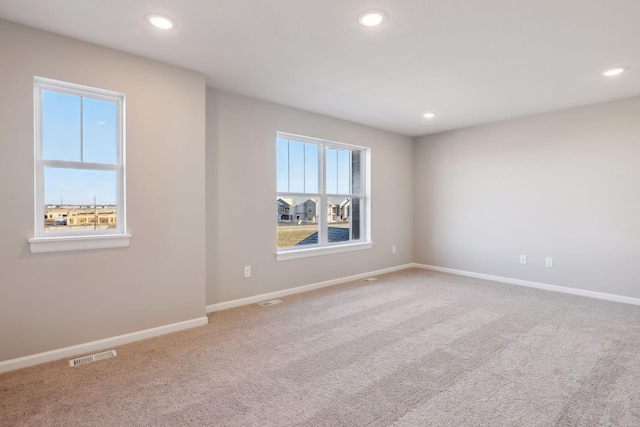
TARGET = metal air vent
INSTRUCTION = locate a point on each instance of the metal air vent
(270, 302)
(92, 358)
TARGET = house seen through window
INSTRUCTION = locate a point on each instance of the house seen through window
(79, 160)
(321, 195)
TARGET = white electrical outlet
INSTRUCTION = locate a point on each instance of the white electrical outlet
(548, 262)
(523, 259)
(247, 271)
(393, 249)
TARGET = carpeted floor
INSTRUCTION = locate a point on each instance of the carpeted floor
(415, 348)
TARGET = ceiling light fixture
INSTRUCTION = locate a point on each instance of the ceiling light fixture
(371, 18)
(160, 21)
(614, 71)
(430, 115)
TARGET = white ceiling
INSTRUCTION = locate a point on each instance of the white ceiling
(470, 61)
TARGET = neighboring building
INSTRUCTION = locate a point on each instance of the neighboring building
(79, 216)
(333, 212)
(345, 209)
(307, 212)
(284, 209)
(301, 213)
(339, 212)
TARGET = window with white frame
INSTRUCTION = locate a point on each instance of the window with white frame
(321, 195)
(79, 161)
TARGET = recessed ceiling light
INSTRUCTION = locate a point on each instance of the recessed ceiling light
(429, 115)
(160, 21)
(614, 71)
(371, 18)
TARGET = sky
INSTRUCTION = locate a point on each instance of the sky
(298, 168)
(79, 129)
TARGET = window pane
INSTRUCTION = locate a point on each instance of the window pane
(283, 166)
(343, 171)
(331, 171)
(296, 167)
(60, 126)
(356, 165)
(297, 221)
(344, 168)
(355, 216)
(99, 131)
(69, 196)
(338, 219)
(311, 168)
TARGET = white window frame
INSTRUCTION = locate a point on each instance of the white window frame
(77, 239)
(324, 247)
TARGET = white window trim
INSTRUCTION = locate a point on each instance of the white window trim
(81, 239)
(365, 242)
(76, 243)
(322, 250)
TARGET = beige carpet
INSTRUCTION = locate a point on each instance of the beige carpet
(415, 348)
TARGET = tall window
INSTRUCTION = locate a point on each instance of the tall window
(79, 167)
(321, 195)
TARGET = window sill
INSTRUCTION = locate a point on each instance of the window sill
(325, 250)
(78, 243)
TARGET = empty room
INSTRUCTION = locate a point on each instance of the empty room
(319, 213)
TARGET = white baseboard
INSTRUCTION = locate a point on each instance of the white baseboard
(537, 285)
(278, 294)
(61, 353)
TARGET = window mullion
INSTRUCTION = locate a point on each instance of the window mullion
(337, 171)
(82, 128)
(322, 212)
(345, 196)
(39, 169)
(79, 165)
(323, 225)
(351, 198)
(288, 165)
(307, 195)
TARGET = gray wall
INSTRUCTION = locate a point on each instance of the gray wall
(241, 198)
(50, 301)
(565, 185)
